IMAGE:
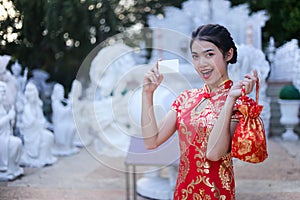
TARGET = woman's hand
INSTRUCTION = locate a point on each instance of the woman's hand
(248, 82)
(152, 79)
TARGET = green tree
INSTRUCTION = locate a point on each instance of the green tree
(56, 35)
(284, 18)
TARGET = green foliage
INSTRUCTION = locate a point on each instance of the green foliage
(56, 35)
(289, 92)
(284, 18)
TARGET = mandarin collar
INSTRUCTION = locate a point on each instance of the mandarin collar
(225, 85)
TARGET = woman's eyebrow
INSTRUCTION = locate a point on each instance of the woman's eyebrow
(204, 51)
(207, 50)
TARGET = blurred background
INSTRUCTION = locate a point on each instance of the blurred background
(56, 35)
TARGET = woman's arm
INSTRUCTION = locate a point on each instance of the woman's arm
(220, 137)
(154, 134)
(219, 140)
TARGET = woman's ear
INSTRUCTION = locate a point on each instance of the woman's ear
(229, 55)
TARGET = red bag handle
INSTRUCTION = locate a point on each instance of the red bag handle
(257, 91)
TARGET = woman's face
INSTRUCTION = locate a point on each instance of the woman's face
(209, 62)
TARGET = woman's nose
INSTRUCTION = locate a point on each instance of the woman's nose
(201, 62)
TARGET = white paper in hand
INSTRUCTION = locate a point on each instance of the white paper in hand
(168, 66)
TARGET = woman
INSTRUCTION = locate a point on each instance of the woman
(204, 118)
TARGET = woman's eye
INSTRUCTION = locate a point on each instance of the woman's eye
(209, 54)
(195, 57)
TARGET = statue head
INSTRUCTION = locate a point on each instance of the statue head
(16, 69)
(3, 63)
(58, 92)
(76, 89)
(31, 93)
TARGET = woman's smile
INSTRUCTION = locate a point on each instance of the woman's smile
(206, 74)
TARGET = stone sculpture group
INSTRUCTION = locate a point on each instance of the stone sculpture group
(27, 138)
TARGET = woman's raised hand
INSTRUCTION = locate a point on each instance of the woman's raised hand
(248, 82)
(152, 79)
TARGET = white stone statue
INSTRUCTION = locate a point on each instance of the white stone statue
(176, 26)
(10, 146)
(296, 79)
(38, 140)
(285, 60)
(63, 124)
(296, 75)
(106, 71)
(113, 137)
(195, 13)
(11, 82)
(40, 80)
(81, 110)
(105, 101)
(21, 81)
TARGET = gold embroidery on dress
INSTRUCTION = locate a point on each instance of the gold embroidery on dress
(186, 101)
(226, 172)
(184, 166)
(190, 188)
(188, 135)
(203, 167)
(201, 195)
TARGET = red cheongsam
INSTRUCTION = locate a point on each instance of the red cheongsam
(198, 177)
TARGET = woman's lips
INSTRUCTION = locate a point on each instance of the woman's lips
(206, 74)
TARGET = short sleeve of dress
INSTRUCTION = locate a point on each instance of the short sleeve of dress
(178, 105)
(179, 101)
(175, 105)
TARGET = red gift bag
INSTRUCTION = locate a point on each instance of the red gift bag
(249, 139)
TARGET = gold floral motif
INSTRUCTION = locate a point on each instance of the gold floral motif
(190, 189)
(187, 99)
(201, 195)
(245, 146)
(253, 158)
(184, 166)
(226, 173)
(202, 167)
(187, 134)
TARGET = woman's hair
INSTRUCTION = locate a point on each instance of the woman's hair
(218, 35)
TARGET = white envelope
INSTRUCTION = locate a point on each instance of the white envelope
(168, 66)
